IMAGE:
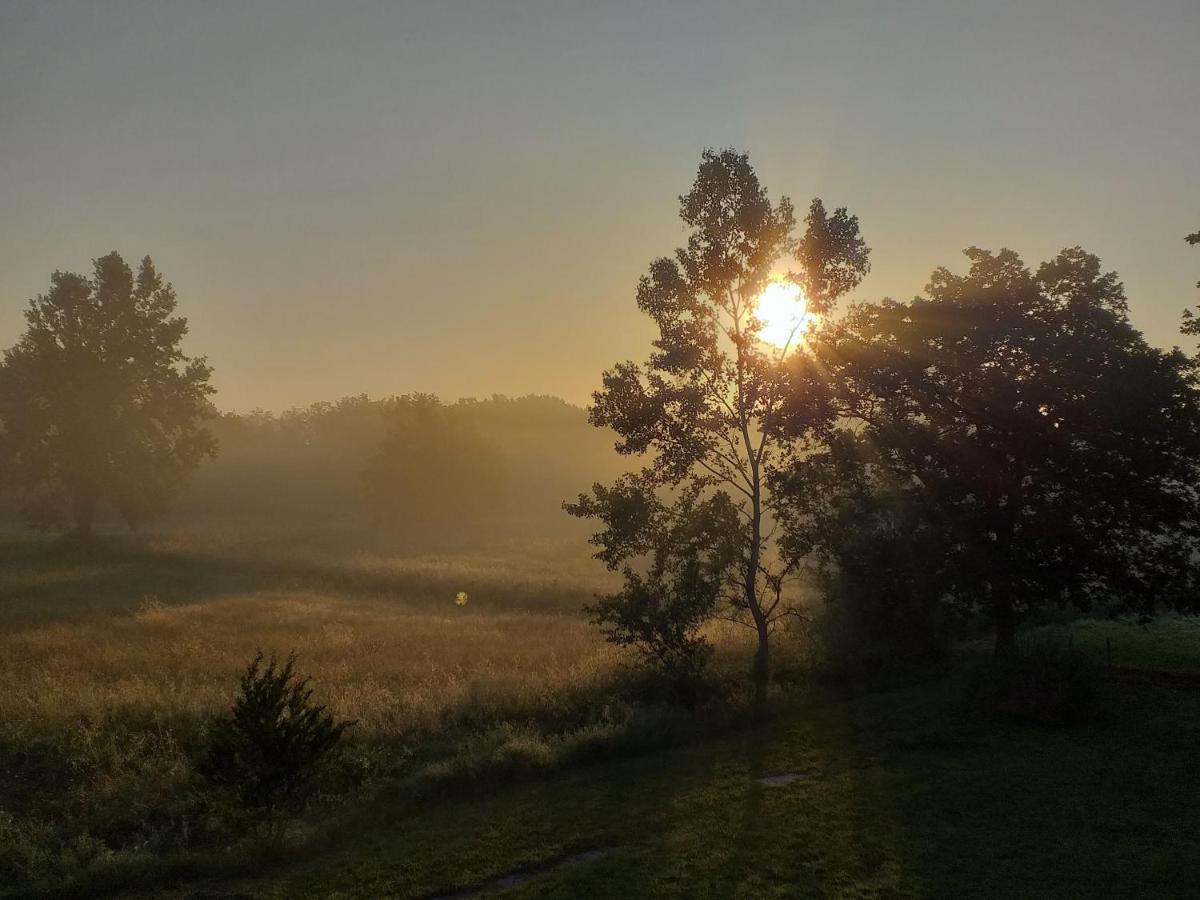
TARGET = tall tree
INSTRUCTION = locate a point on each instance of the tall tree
(98, 402)
(704, 406)
(1054, 448)
(432, 470)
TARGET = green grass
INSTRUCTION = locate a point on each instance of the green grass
(901, 794)
(1166, 644)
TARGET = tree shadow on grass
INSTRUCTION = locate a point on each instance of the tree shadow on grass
(830, 826)
(896, 798)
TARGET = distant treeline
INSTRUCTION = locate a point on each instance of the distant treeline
(105, 421)
(403, 463)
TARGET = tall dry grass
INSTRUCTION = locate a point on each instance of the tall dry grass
(157, 631)
(115, 660)
(395, 670)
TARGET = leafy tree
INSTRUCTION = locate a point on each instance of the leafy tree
(1054, 447)
(1191, 323)
(270, 750)
(432, 467)
(98, 401)
(704, 407)
(693, 548)
(876, 547)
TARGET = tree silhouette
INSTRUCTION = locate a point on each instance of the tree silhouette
(705, 404)
(1055, 449)
(432, 469)
(1191, 323)
(876, 546)
(97, 400)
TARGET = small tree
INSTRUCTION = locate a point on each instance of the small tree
(693, 549)
(705, 407)
(1057, 449)
(98, 401)
(268, 753)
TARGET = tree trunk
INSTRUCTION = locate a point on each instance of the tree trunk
(762, 671)
(762, 654)
(1006, 627)
(762, 668)
(84, 511)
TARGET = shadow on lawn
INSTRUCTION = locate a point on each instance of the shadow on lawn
(821, 812)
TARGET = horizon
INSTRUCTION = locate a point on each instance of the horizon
(383, 398)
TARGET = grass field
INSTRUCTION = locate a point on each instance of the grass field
(159, 631)
(504, 735)
(899, 794)
(114, 661)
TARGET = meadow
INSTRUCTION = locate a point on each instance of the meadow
(157, 628)
(504, 735)
(116, 658)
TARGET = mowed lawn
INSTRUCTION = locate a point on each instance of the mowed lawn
(898, 794)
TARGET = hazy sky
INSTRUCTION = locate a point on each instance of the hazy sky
(459, 197)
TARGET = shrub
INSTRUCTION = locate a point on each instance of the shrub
(25, 853)
(1045, 681)
(877, 550)
(662, 621)
(270, 753)
(868, 624)
(688, 553)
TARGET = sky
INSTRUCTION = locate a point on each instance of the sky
(459, 197)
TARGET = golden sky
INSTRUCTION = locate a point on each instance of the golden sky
(460, 197)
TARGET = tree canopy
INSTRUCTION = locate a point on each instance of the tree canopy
(1017, 424)
(1191, 324)
(98, 402)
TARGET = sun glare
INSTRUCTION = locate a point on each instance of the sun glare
(783, 313)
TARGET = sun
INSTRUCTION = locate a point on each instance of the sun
(783, 313)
